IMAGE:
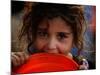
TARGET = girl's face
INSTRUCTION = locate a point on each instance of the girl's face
(54, 36)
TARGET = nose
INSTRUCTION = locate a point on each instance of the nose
(52, 44)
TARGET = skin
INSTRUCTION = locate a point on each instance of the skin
(54, 36)
(18, 58)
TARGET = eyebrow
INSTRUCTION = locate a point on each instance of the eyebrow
(42, 29)
(46, 29)
(66, 33)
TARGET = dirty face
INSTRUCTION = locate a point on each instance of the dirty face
(54, 36)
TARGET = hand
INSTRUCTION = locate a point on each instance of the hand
(18, 58)
(85, 65)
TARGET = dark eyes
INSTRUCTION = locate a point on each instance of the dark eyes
(62, 36)
(42, 34)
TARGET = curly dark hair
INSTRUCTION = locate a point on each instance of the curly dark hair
(72, 14)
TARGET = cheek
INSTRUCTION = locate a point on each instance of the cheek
(65, 47)
(39, 44)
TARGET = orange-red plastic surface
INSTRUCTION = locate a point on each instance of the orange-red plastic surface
(47, 62)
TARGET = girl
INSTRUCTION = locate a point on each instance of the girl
(51, 28)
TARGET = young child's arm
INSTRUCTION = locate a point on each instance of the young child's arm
(18, 58)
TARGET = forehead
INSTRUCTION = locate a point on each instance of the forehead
(57, 24)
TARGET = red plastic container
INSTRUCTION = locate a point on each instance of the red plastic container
(47, 62)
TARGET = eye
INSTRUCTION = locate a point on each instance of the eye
(42, 34)
(62, 36)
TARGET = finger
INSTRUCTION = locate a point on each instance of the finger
(26, 56)
(15, 60)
